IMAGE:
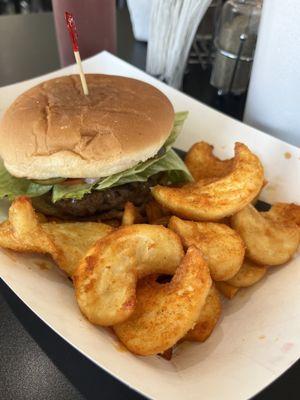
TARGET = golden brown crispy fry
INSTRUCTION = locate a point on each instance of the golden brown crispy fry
(105, 280)
(208, 319)
(268, 242)
(66, 242)
(166, 312)
(27, 229)
(8, 239)
(284, 212)
(131, 215)
(220, 198)
(202, 163)
(248, 275)
(73, 239)
(227, 290)
(155, 212)
(221, 246)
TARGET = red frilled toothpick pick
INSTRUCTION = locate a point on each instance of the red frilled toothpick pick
(73, 34)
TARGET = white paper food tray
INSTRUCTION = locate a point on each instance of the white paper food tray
(258, 337)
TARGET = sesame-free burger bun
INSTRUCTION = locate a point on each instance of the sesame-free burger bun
(53, 130)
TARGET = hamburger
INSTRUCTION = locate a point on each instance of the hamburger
(77, 156)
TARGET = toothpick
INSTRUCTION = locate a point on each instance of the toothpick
(81, 73)
(73, 35)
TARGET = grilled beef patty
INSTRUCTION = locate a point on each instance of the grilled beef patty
(98, 201)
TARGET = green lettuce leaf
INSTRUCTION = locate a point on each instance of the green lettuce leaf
(170, 162)
(166, 161)
(11, 187)
(179, 119)
(71, 192)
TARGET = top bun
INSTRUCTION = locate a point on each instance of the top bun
(53, 130)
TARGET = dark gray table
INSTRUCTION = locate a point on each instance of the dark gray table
(35, 363)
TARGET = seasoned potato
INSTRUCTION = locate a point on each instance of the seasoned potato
(268, 242)
(8, 240)
(220, 198)
(156, 213)
(105, 280)
(166, 312)
(221, 246)
(131, 215)
(248, 275)
(66, 242)
(23, 232)
(137, 279)
(73, 239)
(208, 319)
(153, 211)
(226, 289)
(203, 164)
(284, 212)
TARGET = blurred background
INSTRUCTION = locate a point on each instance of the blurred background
(24, 6)
(233, 55)
(222, 83)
